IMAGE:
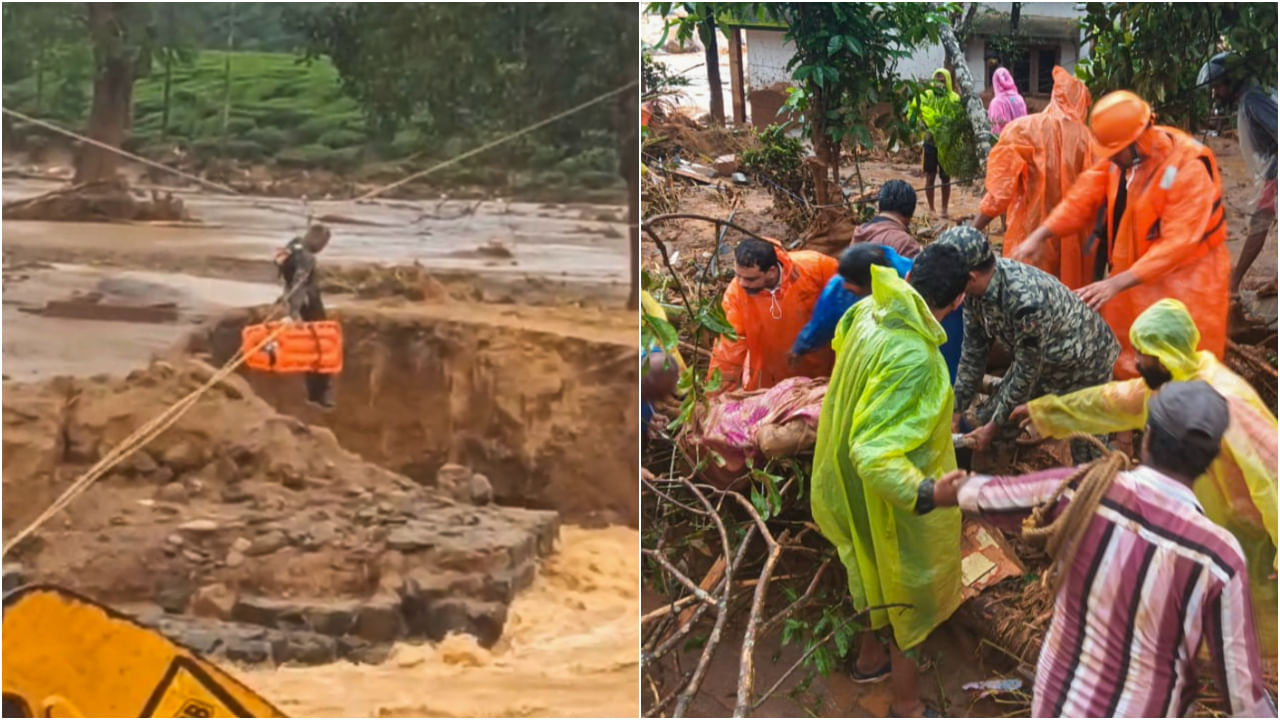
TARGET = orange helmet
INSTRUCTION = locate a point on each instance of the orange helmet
(1118, 119)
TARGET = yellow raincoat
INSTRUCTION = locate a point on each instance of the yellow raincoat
(1239, 490)
(886, 426)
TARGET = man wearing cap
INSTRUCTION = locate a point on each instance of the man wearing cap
(1058, 343)
(1148, 581)
(1163, 228)
(1238, 491)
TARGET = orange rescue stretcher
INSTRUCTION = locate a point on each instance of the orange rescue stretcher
(304, 347)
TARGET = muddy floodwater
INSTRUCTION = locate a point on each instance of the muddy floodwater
(585, 243)
(569, 650)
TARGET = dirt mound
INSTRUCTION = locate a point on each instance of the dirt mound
(238, 512)
(411, 282)
(102, 201)
(549, 418)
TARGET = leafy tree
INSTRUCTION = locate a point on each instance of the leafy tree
(1156, 50)
(457, 70)
(846, 61)
(700, 18)
(175, 47)
(123, 45)
(46, 41)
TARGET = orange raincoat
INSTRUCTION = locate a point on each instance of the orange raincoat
(767, 324)
(1172, 235)
(1031, 169)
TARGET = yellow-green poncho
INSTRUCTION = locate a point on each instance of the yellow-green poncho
(885, 427)
(1239, 490)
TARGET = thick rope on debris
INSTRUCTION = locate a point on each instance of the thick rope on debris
(1061, 538)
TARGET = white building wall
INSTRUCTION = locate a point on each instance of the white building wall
(767, 56)
(921, 64)
(768, 53)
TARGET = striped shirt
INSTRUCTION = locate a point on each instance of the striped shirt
(1151, 579)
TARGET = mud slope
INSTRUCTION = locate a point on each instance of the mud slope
(550, 417)
(237, 512)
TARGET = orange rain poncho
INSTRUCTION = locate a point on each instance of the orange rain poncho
(1172, 235)
(767, 324)
(1239, 490)
(1031, 169)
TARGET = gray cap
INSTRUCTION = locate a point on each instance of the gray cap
(1180, 408)
(971, 243)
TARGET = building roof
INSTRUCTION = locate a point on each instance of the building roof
(1029, 26)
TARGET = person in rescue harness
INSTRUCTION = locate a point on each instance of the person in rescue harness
(297, 266)
(1231, 81)
(1238, 491)
(768, 302)
(1164, 229)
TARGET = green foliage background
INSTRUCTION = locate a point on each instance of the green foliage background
(412, 83)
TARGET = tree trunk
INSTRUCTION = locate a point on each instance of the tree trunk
(226, 76)
(736, 84)
(972, 103)
(39, 86)
(171, 41)
(1015, 17)
(112, 90)
(707, 31)
(168, 84)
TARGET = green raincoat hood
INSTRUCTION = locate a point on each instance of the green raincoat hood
(1166, 331)
(895, 305)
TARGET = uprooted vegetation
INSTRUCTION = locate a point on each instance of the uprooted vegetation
(751, 611)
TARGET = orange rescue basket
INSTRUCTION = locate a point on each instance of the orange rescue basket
(303, 347)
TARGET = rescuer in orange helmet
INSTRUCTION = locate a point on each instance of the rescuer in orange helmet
(1163, 229)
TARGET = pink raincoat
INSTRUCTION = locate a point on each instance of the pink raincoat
(1007, 105)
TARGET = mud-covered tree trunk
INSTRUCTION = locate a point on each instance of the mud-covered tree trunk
(112, 92)
(707, 31)
(972, 103)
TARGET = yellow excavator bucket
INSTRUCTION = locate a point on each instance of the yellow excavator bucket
(67, 656)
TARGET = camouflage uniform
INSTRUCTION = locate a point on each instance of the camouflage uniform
(1058, 344)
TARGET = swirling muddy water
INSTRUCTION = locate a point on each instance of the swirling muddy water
(570, 649)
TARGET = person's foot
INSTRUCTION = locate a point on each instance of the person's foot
(872, 662)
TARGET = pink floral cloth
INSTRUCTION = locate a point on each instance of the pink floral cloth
(738, 425)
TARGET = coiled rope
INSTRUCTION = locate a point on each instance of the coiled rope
(1061, 537)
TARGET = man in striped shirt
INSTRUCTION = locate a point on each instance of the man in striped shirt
(1150, 580)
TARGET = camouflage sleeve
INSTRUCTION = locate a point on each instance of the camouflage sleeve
(303, 276)
(973, 359)
(1024, 374)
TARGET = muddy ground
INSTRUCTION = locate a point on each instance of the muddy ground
(957, 653)
(261, 531)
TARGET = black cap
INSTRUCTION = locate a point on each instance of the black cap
(1181, 408)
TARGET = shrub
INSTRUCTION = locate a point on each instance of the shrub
(341, 138)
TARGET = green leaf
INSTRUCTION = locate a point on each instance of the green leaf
(833, 46)
(759, 502)
(665, 333)
(717, 380)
